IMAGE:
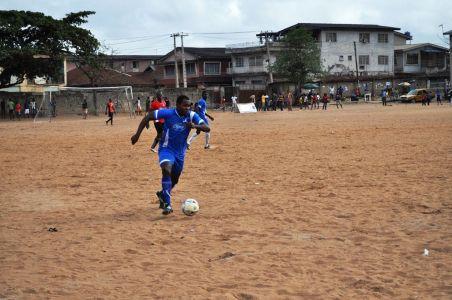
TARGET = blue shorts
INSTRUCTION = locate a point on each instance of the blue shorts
(177, 161)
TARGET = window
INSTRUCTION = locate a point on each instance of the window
(383, 60)
(331, 37)
(363, 60)
(135, 66)
(169, 71)
(364, 37)
(212, 68)
(412, 59)
(350, 58)
(256, 82)
(123, 67)
(190, 68)
(239, 62)
(382, 37)
(256, 61)
(341, 58)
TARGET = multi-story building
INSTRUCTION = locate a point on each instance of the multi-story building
(250, 64)
(204, 68)
(347, 48)
(423, 58)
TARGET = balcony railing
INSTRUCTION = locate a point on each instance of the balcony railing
(248, 69)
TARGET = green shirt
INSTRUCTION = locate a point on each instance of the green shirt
(11, 105)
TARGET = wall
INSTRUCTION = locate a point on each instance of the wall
(330, 52)
(70, 102)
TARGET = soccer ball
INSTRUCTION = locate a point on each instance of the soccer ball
(190, 207)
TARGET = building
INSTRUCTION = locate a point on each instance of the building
(449, 33)
(423, 58)
(135, 70)
(347, 48)
(250, 64)
(205, 68)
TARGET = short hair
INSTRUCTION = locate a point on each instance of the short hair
(181, 98)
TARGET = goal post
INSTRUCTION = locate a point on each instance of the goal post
(48, 102)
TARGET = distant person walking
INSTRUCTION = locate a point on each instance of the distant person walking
(384, 94)
(139, 109)
(234, 103)
(33, 107)
(110, 110)
(438, 97)
(18, 110)
(325, 101)
(338, 100)
(289, 101)
(11, 106)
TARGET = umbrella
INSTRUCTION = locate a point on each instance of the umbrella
(404, 84)
(311, 86)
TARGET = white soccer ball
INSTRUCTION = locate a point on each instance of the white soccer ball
(190, 207)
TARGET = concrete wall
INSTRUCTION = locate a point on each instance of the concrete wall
(70, 102)
(331, 52)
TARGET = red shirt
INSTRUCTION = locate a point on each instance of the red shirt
(110, 107)
(156, 105)
(18, 107)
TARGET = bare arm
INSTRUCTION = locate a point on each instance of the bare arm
(203, 126)
(141, 126)
(209, 116)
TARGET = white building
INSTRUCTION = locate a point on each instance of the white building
(347, 48)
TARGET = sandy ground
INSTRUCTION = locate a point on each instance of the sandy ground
(294, 205)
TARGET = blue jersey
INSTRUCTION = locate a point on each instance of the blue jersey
(175, 129)
(202, 108)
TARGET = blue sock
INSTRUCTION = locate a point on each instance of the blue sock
(166, 189)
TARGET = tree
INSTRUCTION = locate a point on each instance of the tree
(33, 44)
(299, 61)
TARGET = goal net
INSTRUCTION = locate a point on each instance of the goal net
(73, 96)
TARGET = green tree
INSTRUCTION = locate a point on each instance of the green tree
(299, 61)
(33, 44)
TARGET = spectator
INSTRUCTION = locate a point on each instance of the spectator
(325, 101)
(18, 110)
(11, 109)
(3, 108)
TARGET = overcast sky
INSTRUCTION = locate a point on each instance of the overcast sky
(143, 27)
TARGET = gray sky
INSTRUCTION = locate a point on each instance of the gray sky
(143, 27)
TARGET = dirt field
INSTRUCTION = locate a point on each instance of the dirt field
(298, 205)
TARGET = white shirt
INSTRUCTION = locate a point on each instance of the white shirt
(234, 99)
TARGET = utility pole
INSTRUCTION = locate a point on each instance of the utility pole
(270, 73)
(174, 35)
(356, 64)
(184, 72)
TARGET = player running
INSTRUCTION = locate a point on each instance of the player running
(157, 104)
(178, 123)
(201, 109)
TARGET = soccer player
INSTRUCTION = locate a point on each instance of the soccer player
(178, 123)
(110, 109)
(157, 104)
(201, 109)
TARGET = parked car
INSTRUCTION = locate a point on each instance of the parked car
(414, 95)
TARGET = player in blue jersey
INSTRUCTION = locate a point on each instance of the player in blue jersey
(178, 123)
(201, 109)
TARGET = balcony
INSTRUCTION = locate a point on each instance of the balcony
(244, 70)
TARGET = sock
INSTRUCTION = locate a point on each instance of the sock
(166, 189)
(192, 138)
(207, 138)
